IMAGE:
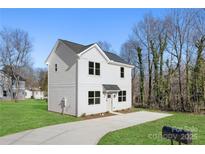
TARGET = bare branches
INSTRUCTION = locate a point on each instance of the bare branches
(14, 52)
(105, 46)
(178, 37)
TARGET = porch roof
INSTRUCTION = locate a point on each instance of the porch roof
(110, 87)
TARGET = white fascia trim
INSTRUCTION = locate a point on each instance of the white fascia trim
(107, 91)
(54, 48)
(95, 45)
(120, 64)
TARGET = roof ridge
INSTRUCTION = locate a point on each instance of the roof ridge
(73, 42)
(78, 48)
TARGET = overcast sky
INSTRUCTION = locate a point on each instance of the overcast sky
(84, 26)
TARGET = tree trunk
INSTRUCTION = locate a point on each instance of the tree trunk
(150, 80)
(161, 81)
(156, 74)
(180, 87)
(187, 81)
(139, 54)
(133, 93)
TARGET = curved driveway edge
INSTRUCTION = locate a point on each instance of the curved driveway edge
(81, 132)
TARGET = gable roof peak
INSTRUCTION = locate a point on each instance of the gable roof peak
(79, 48)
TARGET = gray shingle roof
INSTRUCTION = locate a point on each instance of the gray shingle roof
(115, 57)
(78, 48)
(111, 87)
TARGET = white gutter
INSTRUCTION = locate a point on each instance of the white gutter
(120, 64)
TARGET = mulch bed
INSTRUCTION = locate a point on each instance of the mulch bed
(126, 110)
(99, 115)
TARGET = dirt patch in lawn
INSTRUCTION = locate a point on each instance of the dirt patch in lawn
(99, 115)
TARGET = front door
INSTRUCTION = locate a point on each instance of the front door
(109, 102)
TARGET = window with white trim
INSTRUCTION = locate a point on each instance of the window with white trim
(122, 96)
(93, 97)
(93, 68)
(97, 68)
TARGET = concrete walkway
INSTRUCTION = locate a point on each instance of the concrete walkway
(81, 132)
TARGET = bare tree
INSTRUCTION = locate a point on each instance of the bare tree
(142, 33)
(179, 82)
(14, 52)
(158, 45)
(179, 27)
(42, 78)
(141, 69)
(198, 75)
(29, 73)
(133, 53)
(105, 45)
(199, 68)
(129, 55)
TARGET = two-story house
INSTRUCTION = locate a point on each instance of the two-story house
(87, 79)
(8, 89)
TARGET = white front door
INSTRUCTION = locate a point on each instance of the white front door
(109, 102)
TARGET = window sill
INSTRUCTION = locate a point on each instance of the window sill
(94, 75)
(93, 104)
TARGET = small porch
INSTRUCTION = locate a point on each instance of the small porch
(111, 92)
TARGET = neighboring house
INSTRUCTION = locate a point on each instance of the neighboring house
(35, 93)
(28, 94)
(88, 79)
(38, 94)
(5, 83)
(8, 88)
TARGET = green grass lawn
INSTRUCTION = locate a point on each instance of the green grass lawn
(150, 133)
(28, 114)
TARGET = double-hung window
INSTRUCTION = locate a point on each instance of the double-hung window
(91, 68)
(94, 68)
(93, 97)
(122, 72)
(122, 96)
(97, 68)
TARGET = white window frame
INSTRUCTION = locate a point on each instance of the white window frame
(94, 98)
(123, 96)
(93, 68)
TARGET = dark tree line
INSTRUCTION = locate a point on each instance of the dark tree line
(169, 59)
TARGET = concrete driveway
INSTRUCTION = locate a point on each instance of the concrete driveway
(81, 132)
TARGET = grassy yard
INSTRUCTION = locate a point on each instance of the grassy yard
(150, 133)
(28, 114)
